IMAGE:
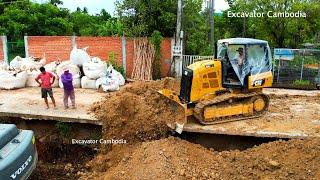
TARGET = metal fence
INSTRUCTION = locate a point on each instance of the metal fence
(291, 67)
(15, 48)
(190, 59)
(296, 67)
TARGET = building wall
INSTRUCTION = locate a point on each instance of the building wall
(101, 47)
(59, 48)
(1, 50)
(52, 47)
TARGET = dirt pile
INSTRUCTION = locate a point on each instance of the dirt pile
(137, 112)
(294, 159)
(160, 159)
(173, 158)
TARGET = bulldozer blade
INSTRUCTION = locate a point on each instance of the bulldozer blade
(176, 106)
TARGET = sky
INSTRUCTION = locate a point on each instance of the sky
(95, 6)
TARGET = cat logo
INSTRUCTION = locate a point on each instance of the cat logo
(258, 82)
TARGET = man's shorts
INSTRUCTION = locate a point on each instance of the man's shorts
(45, 92)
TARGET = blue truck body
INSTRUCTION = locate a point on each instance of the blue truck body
(18, 154)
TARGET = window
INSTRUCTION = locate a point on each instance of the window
(258, 59)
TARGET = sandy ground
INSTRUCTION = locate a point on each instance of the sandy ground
(287, 117)
(150, 153)
(280, 91)
(291, 114)
(27, 102)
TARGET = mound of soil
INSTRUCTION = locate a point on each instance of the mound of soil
(173, 158)
(138, 112)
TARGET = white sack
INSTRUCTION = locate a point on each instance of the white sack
(10, 80)
(88, 83)
(79, 56)
(107, 84)
(19, 63)
(73, 69)
(115, 75)
(52, 67)
(95, 68)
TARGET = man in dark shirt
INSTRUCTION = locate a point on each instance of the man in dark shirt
(66, 79)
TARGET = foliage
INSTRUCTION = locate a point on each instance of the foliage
(196, 29)
(112, 59)
(297, 61)
(141, 17)
(64, 128)
(26, 17)
(15, 49)
(112, 27)
(156, 40)
(301, 83)
(279, 31)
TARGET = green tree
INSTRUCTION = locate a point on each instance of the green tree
(280, 31)
(56, 2)
(141, 17)
(112, 27)
(104, 15)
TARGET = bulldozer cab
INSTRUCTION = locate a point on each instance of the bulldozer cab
(242, 58)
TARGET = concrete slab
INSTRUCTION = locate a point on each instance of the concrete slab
(27, 103)
(293, 116)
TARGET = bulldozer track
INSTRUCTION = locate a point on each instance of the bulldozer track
(199, 108)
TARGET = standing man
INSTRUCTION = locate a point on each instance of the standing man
(66, 79)
(45, 84)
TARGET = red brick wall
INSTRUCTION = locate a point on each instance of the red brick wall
(59, 47)
(1, 51)
(101, 46)
(130, 56)
(54, 47)
(166, 57)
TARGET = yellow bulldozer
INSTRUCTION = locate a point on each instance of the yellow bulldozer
(228, 88)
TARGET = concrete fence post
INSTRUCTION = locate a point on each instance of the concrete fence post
(301, 71)
(26, 46)
(74, 40)
(5, 49)
(278, 74)
(124, 54)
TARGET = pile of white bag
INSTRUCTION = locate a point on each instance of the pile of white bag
(20, 72)
(93, 70)
(13, 79)
(96, 73)
(79, 56)
(111, 81)
(23, 64)
(4, 66)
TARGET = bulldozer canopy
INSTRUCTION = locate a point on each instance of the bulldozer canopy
(246, 56)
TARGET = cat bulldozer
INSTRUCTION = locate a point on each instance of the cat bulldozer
(228, 88)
